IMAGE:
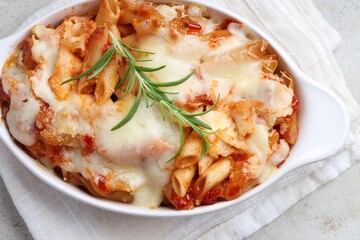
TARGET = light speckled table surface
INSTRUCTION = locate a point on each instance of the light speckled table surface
(331, 212)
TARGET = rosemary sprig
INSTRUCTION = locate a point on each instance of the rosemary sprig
(96, 69)
(150, 91)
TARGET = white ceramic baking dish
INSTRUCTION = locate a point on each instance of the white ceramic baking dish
(323, 120)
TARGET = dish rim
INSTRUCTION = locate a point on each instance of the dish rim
(74, 192)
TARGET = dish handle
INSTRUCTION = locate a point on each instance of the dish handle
(324, 125)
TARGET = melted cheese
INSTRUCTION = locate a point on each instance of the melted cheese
(183, 60)
(134, 141)
(121, 153)
(70, 116)
(276, 158)
(151, 194)
(236, 79)
(135, 156)
(21, 116)
(44, 51)
(167, 12)
(258, 144)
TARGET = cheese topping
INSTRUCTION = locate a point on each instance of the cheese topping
(23, 106)
(134, 158)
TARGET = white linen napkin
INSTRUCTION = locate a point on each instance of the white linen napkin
(300, 29)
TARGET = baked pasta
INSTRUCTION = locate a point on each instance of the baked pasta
(87, 99)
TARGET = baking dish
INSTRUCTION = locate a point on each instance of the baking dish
(322, 118)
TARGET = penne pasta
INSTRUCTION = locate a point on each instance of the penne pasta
(107, 81)
(213, 176)
(204, 164)
(191, 151)
(110, 76)
(109, 13)
(60, 74)
(181, 179)
(96, 48)
(289, 128)
(75, 33)
(220, 148)
(254, 51)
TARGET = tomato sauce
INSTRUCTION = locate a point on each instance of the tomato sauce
(27, 59)
(182, 203)
(88, 144)
(3, 96)
(213, 195)
(193, 28)
(295, 103)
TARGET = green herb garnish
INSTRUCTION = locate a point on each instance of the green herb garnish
(150, 91)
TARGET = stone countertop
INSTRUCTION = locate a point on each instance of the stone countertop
(331, 212)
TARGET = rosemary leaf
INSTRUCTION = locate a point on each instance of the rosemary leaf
(147, 69)
(131, 82)
(198, 122)
(143, 60)
(105, 58)
(129, 55)
(100, 69)
(181, 140)
(173, 83)
(131, 112)
(134, 49)
(123, 79)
